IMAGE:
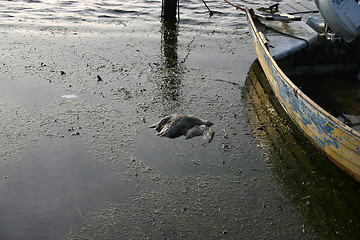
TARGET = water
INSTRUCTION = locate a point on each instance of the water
(88, 166)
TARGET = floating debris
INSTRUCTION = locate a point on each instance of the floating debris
(69, 96)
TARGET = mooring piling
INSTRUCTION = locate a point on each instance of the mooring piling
(169, 9)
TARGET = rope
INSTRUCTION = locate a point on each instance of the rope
(211, 12)
(236, 6)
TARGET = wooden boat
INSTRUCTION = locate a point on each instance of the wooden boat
(287, 48)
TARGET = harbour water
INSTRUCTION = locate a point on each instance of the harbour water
(80, 84)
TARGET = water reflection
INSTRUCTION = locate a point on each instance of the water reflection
(170, 69)
(322, 193)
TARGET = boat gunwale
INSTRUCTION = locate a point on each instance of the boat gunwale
(293, 86)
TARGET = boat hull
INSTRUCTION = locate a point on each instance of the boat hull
(338, 141)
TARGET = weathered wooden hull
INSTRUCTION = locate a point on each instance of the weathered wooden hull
(338, 141)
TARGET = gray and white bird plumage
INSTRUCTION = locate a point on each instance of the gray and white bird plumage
(176, 125)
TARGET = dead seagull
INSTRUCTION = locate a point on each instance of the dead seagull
(176, 125)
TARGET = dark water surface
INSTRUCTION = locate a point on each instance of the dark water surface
(80, 84)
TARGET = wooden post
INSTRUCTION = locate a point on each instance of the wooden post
(169, 10)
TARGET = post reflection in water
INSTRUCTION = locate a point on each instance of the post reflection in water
(170, 69)
(321, 192)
